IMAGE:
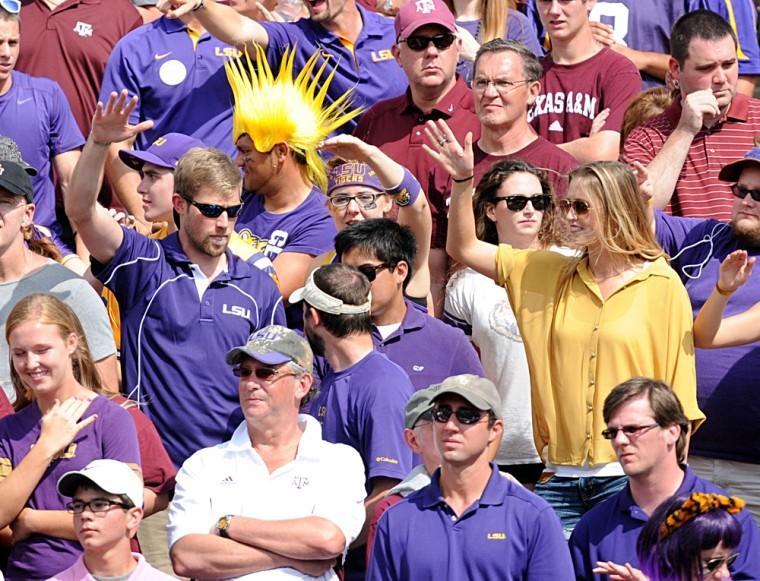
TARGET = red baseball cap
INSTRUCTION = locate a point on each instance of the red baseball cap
(417, 13)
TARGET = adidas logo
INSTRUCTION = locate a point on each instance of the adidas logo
(227, 480)
(556, 126)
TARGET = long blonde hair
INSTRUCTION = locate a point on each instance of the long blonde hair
(49, 310)
(493, 16)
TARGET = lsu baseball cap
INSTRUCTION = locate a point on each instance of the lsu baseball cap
(352, 173)
(163, 152)
(274, 345)
(15, 179)
(731, 172)
(321, 301)
(112, 476)
(479, 391)
(417, 13)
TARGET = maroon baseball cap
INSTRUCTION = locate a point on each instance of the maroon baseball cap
(417, 13)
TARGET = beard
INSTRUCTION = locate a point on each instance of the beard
(748, 236)
(316, 342)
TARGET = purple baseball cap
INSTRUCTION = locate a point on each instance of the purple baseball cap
(417, 13)
(352, 173)
(163, 152)
(732, 171)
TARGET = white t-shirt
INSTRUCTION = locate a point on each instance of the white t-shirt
(324, 480)
(480, 307)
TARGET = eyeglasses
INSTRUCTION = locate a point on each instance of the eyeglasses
(420, 43)
(580, 207)
(741, 192)
(96, 506)
(365, 200)
(12, 6)
(630, 432)
(465, 415)
(502, 86)
(266, 374)
(214, 210)
(517, 203)
(712, 565)
(370, 270)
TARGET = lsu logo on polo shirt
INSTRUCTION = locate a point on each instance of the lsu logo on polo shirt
(381, 55)
(227, 51)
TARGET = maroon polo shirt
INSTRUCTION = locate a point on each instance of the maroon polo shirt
(71, 45)
(699, 193)
(397, 126)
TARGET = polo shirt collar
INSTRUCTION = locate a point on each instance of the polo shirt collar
(174, 252)
(738, 110)
(308, 446)
(451, 102)
(326, 36)
(493, 494)
(171, 25)
(627, 505)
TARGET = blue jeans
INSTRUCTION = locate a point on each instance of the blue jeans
(571, 498)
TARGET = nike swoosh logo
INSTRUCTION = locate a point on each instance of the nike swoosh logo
(22, 101)
(159, 57)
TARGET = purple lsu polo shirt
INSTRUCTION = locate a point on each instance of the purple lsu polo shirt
(509, 533)
(112, 435)
(174, 343)
(181, 85)
(36, 115)
(369, 69)
(363, 407)
(726, 378)
(609, 531)
(428, 349)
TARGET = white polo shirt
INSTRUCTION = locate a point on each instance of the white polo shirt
(325, 480)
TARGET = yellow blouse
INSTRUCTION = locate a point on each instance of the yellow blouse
(580, 346)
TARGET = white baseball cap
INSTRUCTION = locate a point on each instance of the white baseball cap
(112, 476)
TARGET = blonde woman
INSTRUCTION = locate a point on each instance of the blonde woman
(589, 322)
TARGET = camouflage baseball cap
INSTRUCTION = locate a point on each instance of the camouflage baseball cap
(274, 345)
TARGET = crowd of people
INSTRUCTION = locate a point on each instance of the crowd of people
(384, 290)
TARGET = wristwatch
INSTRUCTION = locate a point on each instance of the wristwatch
(223, 524)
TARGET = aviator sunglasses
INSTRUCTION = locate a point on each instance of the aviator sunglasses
(420, 43)
(465, 415)
(268, 374)
(629, 431)
(580, 207)
(741, 191)
(214, 210)
(517, 203)
(713, 565)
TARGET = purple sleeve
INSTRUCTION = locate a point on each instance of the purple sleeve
(119, 439)
(382, 444)
(273, 312)
(466, 359)
(581, 552)
(315, 234)
(381, 566)
(119, 75)
(407, 191)
(521, 29)
(747, 565)
(64, 132)
(548, 554)
(673, 232)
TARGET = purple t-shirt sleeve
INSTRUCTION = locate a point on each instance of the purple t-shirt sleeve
(547, 548)
(521, 29)
(120, 439)
(64, 132)
(314, 236)
(580, 551)
(466, 359)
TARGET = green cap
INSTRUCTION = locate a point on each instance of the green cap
(420, 403)
(274, 345)
(479, 391)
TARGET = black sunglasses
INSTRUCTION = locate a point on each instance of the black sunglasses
(517, 203)
(370, 271)
(214, 210)
(713, 565)
(420, 43)
(629, 431)
(580, 207)
(465, 415)
(741, 192)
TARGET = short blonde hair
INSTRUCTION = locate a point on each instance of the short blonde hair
(206, 167)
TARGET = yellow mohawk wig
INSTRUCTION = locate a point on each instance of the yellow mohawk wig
(282, 110)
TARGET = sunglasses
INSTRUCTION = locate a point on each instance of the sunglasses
(267, 374)
(517, 203)
(365, 201)
(741, 192)
(420, 43)
(630, 432)
(214, 210)
(580, 207)
(713, 565)
(465, 415)
(370, 271)
(12, 6)
(96, 506)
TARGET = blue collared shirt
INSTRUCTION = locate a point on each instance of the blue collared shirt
(609, 531)
(508, 534)
(174, 343)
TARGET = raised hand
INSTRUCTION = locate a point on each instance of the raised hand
(270, 16)
(646, 187)
(61, 424)
(599, 121)
(175, 8)
(617, 572)
(347, 147)
(111, 121)
(735, 270)
(454, 158)
(604, 34)
(697, 108)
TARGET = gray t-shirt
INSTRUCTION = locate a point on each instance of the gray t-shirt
(73, 290)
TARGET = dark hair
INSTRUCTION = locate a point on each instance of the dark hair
(352, 287)
(702, 24)
(532, 69)
(389, 241)
(677, 556)
(665, 406)
(488, 188)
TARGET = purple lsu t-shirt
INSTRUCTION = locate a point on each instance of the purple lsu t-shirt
(37, 116)
(363, 406)
(727, 378)
(508, 533)
(111, 436)
(573, 95)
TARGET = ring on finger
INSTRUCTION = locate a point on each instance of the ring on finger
(442, 141)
